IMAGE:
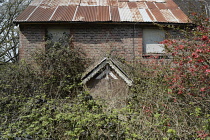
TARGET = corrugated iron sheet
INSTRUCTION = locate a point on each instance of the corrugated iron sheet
(158, 15)
(180, 15)
(132, 5)
(152, 16)
(103, 13)
(41, 14)
(171, 5)
(125, 14)
(168, 15)
(86, 13)
(151, 5)
(123, 5)
(136, 15)
(141, 5)
(25, 13)
(66, 11)
(146, 17)
(103, 10)
(161, 5)
(115, 16)
(113, 3)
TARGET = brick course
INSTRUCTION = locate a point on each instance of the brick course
(31, 38)
(97, 41)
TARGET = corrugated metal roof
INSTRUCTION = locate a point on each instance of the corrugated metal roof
(115, 16)
(44, 16)
(146, 17)
(103, 10)
(66, 11)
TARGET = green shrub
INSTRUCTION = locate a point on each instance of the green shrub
(45, 100)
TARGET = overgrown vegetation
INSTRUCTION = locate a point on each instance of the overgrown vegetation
(45, 100)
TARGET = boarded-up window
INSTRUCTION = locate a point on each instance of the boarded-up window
(151, 39)
(56, 34)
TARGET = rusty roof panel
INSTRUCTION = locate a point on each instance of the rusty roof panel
(90, 13)
(150, 14)
(113, 3)
(145, 16)
(132, 5)
(168, 15)
(151, 5)
(115, 16)
(135, 12)
(103, 10)
(25, 14)
(171, 5)
(123, 5)
(180, 16)
(158, 15)
(103, 13)
(86, 13)
(141, 5)
(64, 13)
(41, 14)
(136, 15)
(161, 5)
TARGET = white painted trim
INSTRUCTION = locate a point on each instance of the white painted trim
(112, 75)
(101, 65)
(106, 72)
(128, 81)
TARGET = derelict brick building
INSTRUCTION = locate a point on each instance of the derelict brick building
(124, 28)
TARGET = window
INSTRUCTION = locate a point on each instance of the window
(56, 34)
(151, 39)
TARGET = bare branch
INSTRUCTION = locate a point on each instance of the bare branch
(8, 32)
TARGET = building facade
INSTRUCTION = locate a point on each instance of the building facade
(109, 27)
(128, 29)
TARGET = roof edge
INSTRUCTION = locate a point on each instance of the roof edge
(100, 22)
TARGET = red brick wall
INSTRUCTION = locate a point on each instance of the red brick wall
(97, 41)
(31, 38)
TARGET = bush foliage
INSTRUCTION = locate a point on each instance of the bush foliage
(45, 100)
